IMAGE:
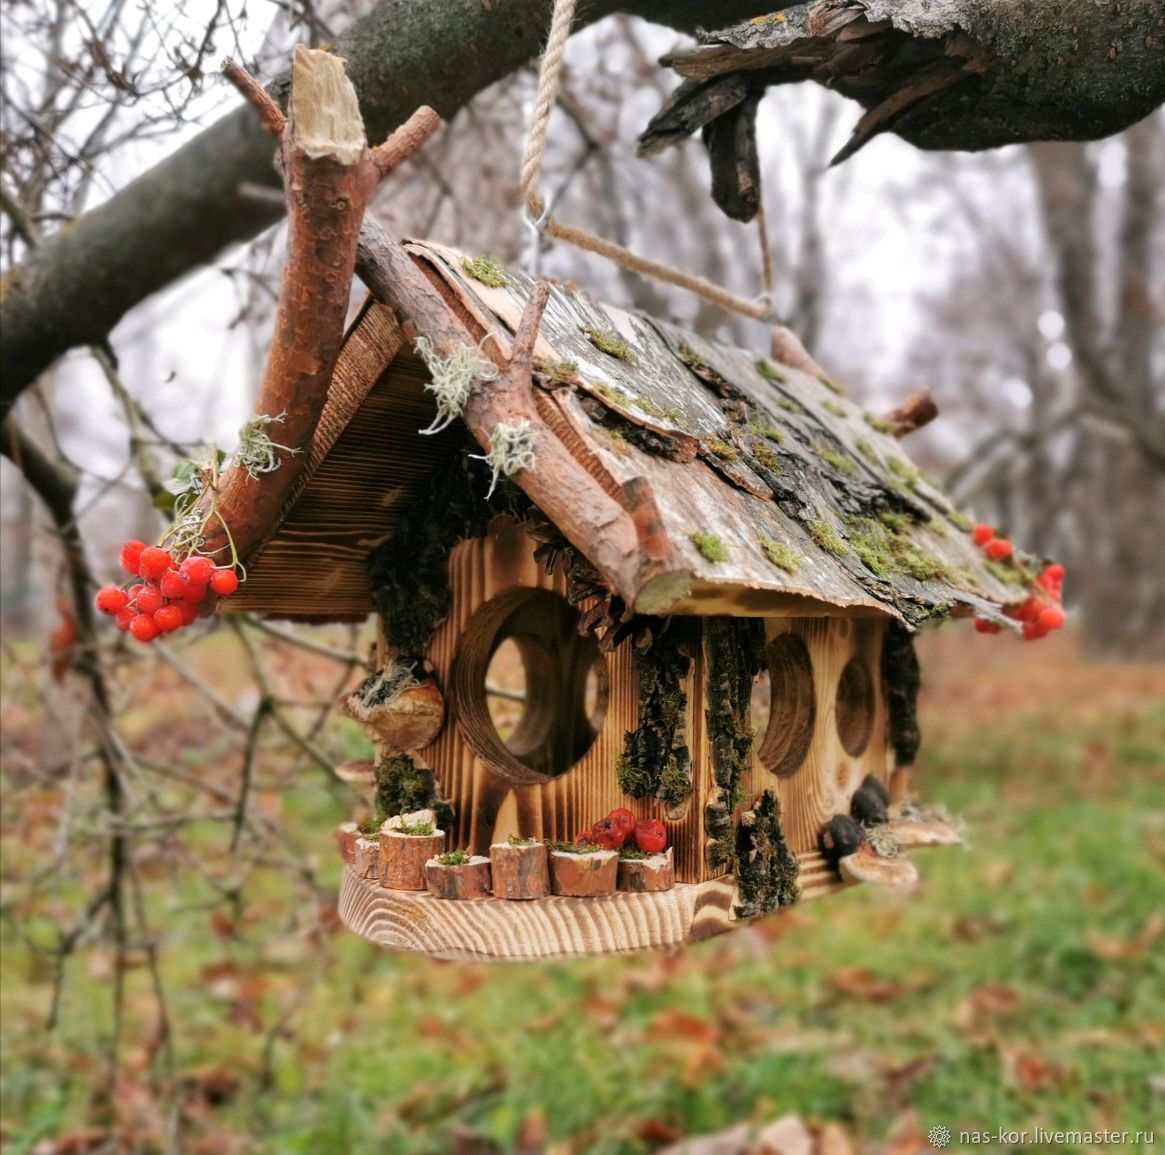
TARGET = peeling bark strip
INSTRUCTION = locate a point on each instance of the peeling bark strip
(330, 175)
(961, 74)
(766, 869)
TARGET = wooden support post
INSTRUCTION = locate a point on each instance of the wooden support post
(583, 875)
(519, 870)
(330, 175)
(647, 875)
(470, 879)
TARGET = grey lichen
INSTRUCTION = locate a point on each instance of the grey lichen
(451, 379)
(256, 452)
(511, 449)
(383, 686)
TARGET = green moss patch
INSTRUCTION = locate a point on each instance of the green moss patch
(901, 681)
(655, 758)
(833, 407)
(830, 384)
(557, 372)
(780, 554)
(878, 423)
(608, 341)
(725, 450)
(827, 537)
(486, 270)
(766, 869)
(454, 858)
(403, 787)
(769, 371)
(839, 461)
(709, 545)
(763, 428)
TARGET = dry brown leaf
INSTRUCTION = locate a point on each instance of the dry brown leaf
(833, 1139)
(861, 983)
(670, 1024)
(988, 1001)
(906, 1136)
(786, 1136)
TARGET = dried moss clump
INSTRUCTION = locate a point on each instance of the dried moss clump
(735, 652)
(766, 869)
(903, 469)
(827, 537)
(885, 549)
(839, 461)
(572, 847)
(769, 371)
(725, 450)
(521, 840)
(830, 384)
(486, 270)
(960, 520)
(417, 828)
(608, 341)
(612, 393)
(767, 457)
(833, 407)
(790, 406)
(901, 679)
(558, 372)
(403, 787)
(454, 858)
(780, 554)
(709, 545)
(655, 755)
(410, 571)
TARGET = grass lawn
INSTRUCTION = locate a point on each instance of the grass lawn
(1023, 985)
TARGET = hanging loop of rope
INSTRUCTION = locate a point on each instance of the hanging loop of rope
(541, 220)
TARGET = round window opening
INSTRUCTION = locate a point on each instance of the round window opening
(530, 693)
(855, 707)
(790, 711)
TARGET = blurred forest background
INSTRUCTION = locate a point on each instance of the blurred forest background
(174, 978)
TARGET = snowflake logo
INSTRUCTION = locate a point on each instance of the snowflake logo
(939, 1137)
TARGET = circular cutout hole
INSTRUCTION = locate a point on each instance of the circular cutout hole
(529, 694)
(792, 709)
(855, 707)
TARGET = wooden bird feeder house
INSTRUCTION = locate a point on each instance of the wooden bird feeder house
(704, 566)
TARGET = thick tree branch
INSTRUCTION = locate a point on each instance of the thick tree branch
(181, 213)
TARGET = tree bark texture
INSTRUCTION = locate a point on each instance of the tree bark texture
(942, 74)
(177, 216)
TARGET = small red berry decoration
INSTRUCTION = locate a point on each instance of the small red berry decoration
(142, 627)
(197, 570)
(607, 834)
(983, 626)
(624, 819)
(650, 835)
(224, 582)
(111, 600)
(999, 549)
(168, 594)
(982, 534)
(154, 562)
(168, 619)
(131, 556)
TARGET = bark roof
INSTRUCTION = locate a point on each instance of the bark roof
(773, 491)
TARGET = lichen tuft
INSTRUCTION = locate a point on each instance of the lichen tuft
(608, 341)
(487, 270)
(709, 545)
(780, 554)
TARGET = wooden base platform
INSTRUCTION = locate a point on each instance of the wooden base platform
(555, 927)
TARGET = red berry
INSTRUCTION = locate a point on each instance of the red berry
(983, 626)
(982, 534)
(623, 818)
(189, 612)
(142, 627)
(155, 561)
(150, 600)
(650, 835)
(1033, 630)
(197, 569)
(168, 618)
(1055, 572)
(584, 839)
(607, 834)
(999, 549)
(110, 599)
(131, 556)
(1051, 618)
(195, 593)
(123, 618)
(173, 585)
(224, 582)
(133, 591)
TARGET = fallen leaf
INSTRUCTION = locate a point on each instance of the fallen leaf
(786, 1136)
(988, 1001)
(861, 983)
(833, 1139)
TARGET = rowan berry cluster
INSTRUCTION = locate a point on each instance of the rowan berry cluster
(620, 828)
(1040, 612)
(168, 594)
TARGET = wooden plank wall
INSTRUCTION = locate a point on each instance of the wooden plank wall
(488, 806)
